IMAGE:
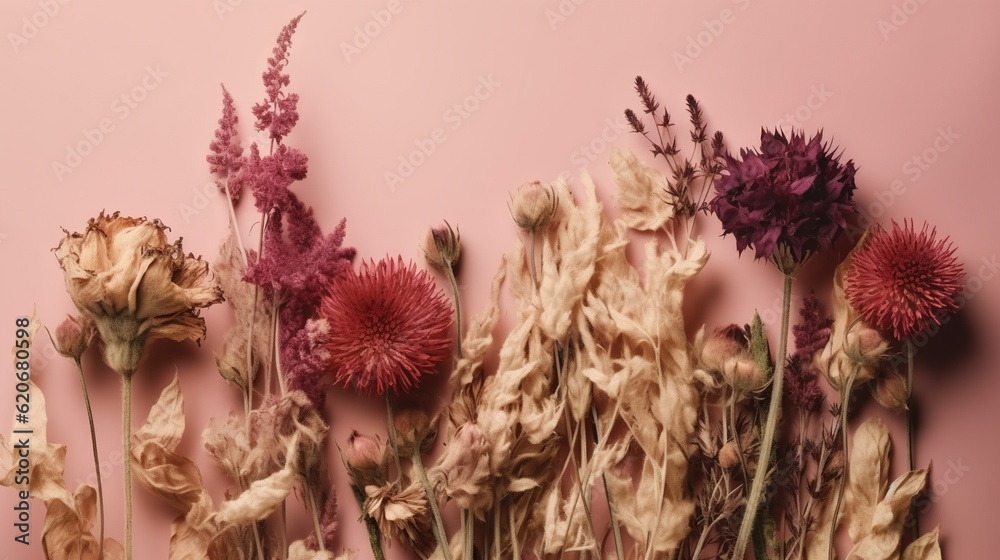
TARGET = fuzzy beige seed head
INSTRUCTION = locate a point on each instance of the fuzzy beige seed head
(414, 430)
(366, 460)
(534, 205)
(743, 374)
(442, 247)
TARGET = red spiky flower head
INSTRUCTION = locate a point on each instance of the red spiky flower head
(902, 281)
(389, 325)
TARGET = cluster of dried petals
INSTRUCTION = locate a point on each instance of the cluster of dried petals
(415, 430)
(402, 514)
(464, 469)
(277, 423)
(534, 205)
(124, 276)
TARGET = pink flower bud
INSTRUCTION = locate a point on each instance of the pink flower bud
(364, 453)
(73, 336)
(534, 205)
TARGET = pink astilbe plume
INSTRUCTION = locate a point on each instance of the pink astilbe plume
(903, 281)
(277, 113)
(226, 153)
(389, 326)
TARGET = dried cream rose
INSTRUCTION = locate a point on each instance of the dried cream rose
(122, 274)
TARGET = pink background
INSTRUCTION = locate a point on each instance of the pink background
(562, 74)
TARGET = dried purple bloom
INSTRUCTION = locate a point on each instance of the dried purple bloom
(226, 157)
(786, 201)
(277, 113)
(811, 335)
(813, 330)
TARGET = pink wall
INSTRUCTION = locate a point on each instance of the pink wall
(906, 87)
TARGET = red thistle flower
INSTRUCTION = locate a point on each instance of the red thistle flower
(389, 325)
(902, 281)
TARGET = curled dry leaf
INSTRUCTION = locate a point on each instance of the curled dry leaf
(924, 548)
(867, 478)
(299, 551)
(642, 192)
(883, 537)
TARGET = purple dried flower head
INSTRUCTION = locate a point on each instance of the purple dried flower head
(788, 200)
(226, 154)
(277, 113)
(328, 526)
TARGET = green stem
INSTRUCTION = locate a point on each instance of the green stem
(127, 455)
(97, 460)
(767, 442)
(393, 438)
(374, 534)
(439, 532)
(910, 431)
(845, 400)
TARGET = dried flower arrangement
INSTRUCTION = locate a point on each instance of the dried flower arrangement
(598, 400)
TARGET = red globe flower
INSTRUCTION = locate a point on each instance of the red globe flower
(389, 325)
(902, 281)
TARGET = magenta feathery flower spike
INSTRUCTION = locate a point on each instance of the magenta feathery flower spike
(225, 156)
(389, 326)
(902, 281)
(277, 113)
(811, 335)
(792, 193)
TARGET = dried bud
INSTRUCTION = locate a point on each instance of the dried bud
(73, 336)
(743, 375)
(442, 247)
(534, 205)
(414, 431)
(729, 455)
(890, 391)
(722, 345)
(366, 460)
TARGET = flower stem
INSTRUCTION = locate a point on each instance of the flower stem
(845, 400)
(450, 274)
(439, 532)
(534, 277)
(311, 503)
(97, 460)
(767, 441)
(127, 456)
(393, 439)
(910, 431)
(374, 533)
(468, 533)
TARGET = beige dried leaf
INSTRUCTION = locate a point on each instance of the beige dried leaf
(867, 478)
(172, 477)
(298, 551)
(924, 548)
(642, 192)
(883, 538)
(260, 499)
